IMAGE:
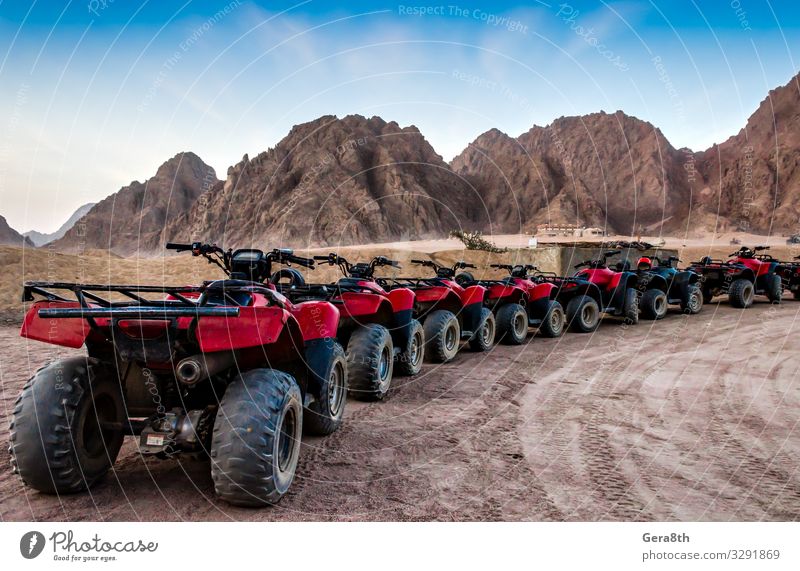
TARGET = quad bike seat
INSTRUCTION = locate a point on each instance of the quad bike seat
(623, 266)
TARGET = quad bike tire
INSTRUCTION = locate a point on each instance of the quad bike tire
(741, 293)
(512, 324)
(554, 321)
(256, 441)
(692, 300)
(409, 361)
(442, 336)
(483, 339)
(57, 445)
(707, 296)
(774, 288)
(654, 304)
(324, 416)
(370, 362)
(464, 279)
(796, 294)
(630, 310)
(583, 314)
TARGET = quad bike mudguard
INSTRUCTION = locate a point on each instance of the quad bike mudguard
(618, 287)
(317, 319)
(67, 332)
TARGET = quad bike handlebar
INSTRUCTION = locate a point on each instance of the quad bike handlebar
(599, 263)
(196, 248)
(359, 270)
(252, 264)
(444, 271)
(745, 252)
(516, 270)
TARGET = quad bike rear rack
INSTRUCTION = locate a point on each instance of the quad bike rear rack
(138, 308)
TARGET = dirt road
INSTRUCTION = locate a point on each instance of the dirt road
(691, 418)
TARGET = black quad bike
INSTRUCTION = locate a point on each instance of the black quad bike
(377, 327)
(662, 284)
(790, 276)
(742, 277)
(230, 369)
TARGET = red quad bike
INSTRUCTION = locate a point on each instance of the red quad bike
(377, 326)
(230, 367)
(544, 310)
(596, 289)
(508, 302)
(448, 312)
(742, 277)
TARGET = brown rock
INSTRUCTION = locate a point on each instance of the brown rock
(334, 181)
(133, 218)
(11, 237)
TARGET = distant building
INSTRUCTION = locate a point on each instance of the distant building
(568, 230)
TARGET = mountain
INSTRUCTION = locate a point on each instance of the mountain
(334, 181)
(607, 170)
(620, 173)
(40, 239)
(9, 236)
(133, 218)
(753, 178)
(360, 180)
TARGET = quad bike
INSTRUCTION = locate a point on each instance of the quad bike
(790, 276)
(544, 311)
(448, 312)
(230, 368)
(663, 284)
(741, 278)
(377, 326)
(508, 301)
(682, 286)
(596, 289)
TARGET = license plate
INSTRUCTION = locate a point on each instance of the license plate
(155, 440)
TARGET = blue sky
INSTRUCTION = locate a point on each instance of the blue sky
(95, 94)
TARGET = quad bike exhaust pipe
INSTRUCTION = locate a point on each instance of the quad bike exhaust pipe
(192, 370)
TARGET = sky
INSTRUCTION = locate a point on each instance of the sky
(97, 93)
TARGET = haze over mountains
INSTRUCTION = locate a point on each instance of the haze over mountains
(358, 180)
(40, 239)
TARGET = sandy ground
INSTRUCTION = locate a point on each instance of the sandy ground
(691, 418)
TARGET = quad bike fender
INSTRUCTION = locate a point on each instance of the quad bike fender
(471, 316)
(401, 328)
(682, 282)
(402, 299)
(507, 293)
(317, 319)
(69, 332)
(318, 354)
(569, 290)
(433, 294)
(622, 282)
(543, 292)
(653, 281)
(254, 327)
(537, 309)
(363, 304)
(472, 295)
